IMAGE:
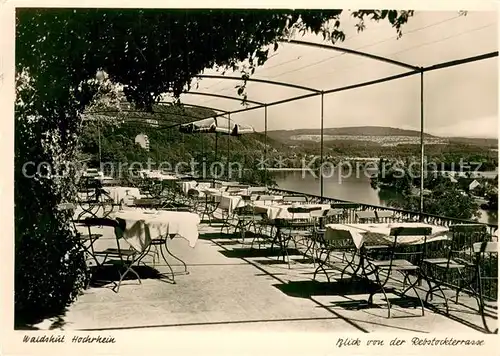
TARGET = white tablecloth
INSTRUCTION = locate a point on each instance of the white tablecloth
(231, 202)
(280, 211)
(361, 232)
(119, 193)
(142, 225)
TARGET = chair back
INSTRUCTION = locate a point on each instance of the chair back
(99, 222)
(147, 203)
(384, 215)
(410, 231)
(233, 190)
(485, 247)
(265, 198)
(366, 215)
(247, 210)
(257, 190)
(468, 228)
(303, 209)
(464, 236)
(193, 193)
(346, 205)
(66, 207)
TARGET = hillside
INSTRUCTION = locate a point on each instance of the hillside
(349, 131)
(369, 135)
(167, 145)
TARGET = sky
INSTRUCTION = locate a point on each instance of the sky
(458, 101)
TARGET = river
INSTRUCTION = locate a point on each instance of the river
(355, 188)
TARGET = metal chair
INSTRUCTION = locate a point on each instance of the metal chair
(486, 263)
(393, 264)
(246, 218)
(457, 262)
(317, 239)
(384, 216)
(366, 216)
(348, 209)
(86, 240)
(294, 199)
(293, 229)
(126, 257)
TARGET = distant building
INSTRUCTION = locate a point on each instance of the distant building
(475, 184)
(153, 122)
(143, 141)
(451, 178)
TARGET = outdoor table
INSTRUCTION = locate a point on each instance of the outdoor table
(380, 236)
(280, 211)
(379, 233)
(119, 194)
(144, 226)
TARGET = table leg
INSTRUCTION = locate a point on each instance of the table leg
(177, 258)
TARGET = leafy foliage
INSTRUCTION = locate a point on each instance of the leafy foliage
(445, 198)
(443, 202)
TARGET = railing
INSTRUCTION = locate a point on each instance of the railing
(461, 281)
(399, 214)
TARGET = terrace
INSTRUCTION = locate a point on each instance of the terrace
(234, 282)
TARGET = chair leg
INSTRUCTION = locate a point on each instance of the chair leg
(480, 301)
(321, 265)
(350, 264)
(122, 276)
(380, 289)
(412, 286)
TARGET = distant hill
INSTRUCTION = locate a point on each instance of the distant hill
(289, 136)
(349, 131)
(483, 142)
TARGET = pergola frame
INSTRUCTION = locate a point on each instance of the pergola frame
(313, 92)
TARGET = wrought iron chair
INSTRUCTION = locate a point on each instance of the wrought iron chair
(294, 199)
(246, 219)
(86, 240)
(294, 229)
(486, 263)
(125, 258)
(457, 262)
(348, 209)
(385, 216)
(317, 239)
(366, 216)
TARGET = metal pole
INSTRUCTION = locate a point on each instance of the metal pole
(228, 149)
(99, 133)
(321, 147)
(421, 143)
(265, 143)
(215, 159)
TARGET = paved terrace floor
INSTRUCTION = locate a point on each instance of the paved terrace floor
(231, 287)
